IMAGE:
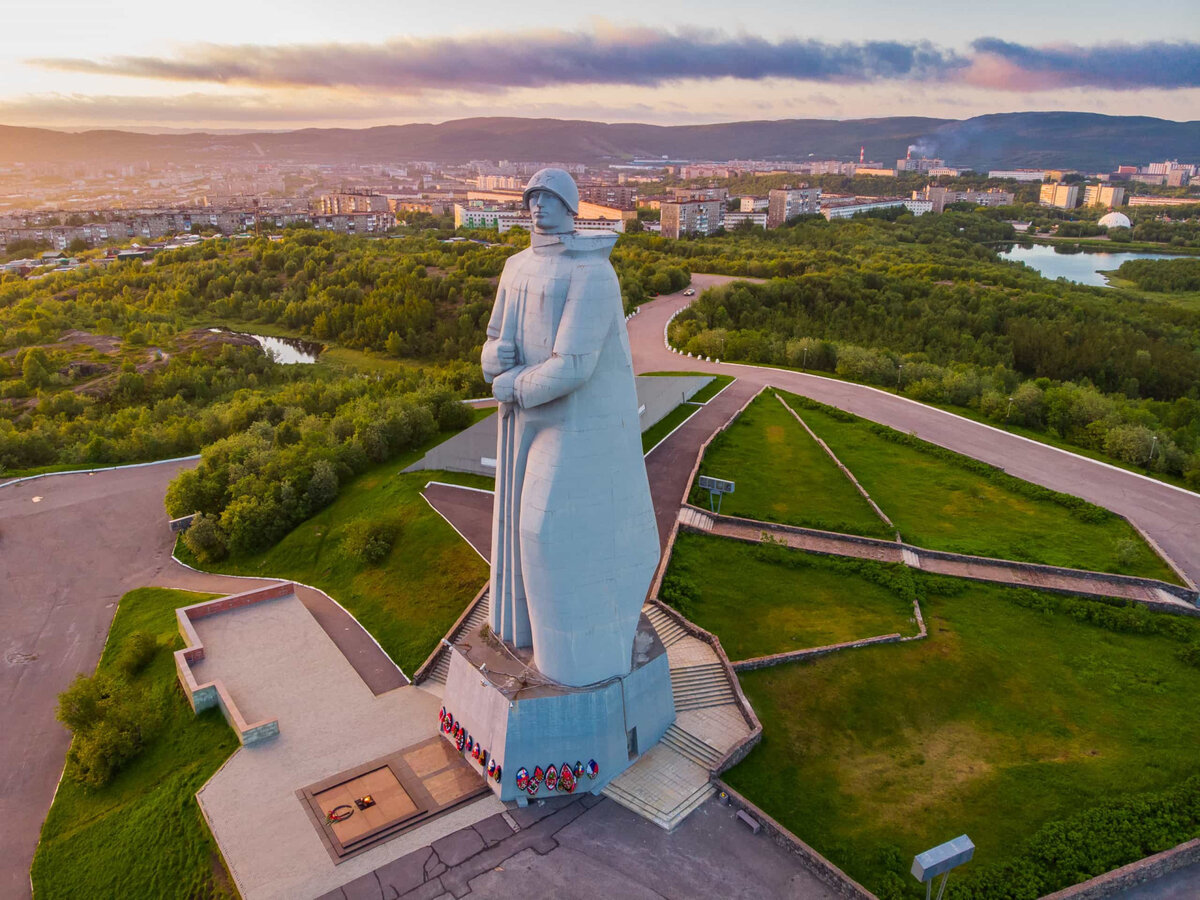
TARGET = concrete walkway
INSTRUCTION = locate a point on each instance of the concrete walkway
(976, 568)
(277, 662)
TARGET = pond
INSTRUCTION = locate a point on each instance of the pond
(1080, 266)
(288, 351)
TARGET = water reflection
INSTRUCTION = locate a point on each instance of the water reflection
(1073, 263)
(288, 351)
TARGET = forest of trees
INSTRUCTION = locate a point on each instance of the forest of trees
(1163, 275)
(117, 365)
(926, 306)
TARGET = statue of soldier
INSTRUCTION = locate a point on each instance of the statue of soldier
(574, 539)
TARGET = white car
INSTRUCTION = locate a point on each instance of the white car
(690, 292)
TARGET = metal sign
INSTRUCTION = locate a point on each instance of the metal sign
(940, 860)
(716, 487)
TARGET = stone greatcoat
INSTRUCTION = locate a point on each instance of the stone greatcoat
(574, 539)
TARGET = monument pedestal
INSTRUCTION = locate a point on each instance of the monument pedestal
(510, 715)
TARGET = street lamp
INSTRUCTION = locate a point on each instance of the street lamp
(1153, 444)
(899, 373)
(804, 365)
(1008, 412)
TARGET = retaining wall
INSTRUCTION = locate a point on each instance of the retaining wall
(1149, 869)
(213, 693)
(1098, 580)
(817, 865)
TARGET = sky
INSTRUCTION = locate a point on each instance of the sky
(358, 63)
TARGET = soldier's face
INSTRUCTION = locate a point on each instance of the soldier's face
(550, 215)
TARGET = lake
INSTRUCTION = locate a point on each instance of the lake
(288, 351)
(1082, 267)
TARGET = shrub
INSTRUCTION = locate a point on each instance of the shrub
(680, 593)
(137, 650)
(367, 541)
(205, 539)
(110, 721)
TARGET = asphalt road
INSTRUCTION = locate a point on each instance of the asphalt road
(1169, 515)
(70, 547)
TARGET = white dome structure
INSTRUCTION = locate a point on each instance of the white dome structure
(1114, 220)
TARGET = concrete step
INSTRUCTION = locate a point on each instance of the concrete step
(695, 687)
(702, 671)
(693, 518)
(697, 750)
(441, 666)
(669, 631)
(664, 818)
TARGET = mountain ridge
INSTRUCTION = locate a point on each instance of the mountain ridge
(1088, 141)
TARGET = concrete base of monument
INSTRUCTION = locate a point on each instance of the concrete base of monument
(510, 715)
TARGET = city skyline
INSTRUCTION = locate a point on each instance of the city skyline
(248, 68)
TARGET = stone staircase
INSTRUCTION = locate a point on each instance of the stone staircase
(694, 748)
(669, 631)
(700, 686)
(695, 519)
(441, 666)
(664, 786)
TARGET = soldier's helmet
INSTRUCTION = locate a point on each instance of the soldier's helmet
(558, 183)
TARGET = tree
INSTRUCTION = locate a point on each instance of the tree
(34, 370)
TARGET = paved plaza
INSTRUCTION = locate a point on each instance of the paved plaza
(277, 662)
(589, 847)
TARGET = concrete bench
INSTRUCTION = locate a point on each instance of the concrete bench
(751, 822)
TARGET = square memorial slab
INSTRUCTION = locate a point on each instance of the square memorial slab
(364, 806)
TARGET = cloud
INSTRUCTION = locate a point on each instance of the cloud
(605, 55)
(1004, 65)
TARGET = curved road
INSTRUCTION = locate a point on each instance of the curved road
(70, 546)
(1169, 515)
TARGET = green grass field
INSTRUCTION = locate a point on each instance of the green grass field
(409, 600)
(668, 423)
(944, 501)
(761, 600)
(783, 475)
(142, 835)
(1004, 719)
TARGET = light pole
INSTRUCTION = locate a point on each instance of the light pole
(899, 373)
(1153, 444)
(1008, 412)
(804, 365)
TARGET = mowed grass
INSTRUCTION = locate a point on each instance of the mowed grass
(668, 423)
(783, 475)
(142, 835)
(1004, 719)
(760, 601)
(943, 501)
(409, 600)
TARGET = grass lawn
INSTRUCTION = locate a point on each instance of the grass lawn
(944, 501)
(760, 601)
(668, 423)
(783, 475)
(142, 834)
(1005, 719)
(710, 390)
(413, 596)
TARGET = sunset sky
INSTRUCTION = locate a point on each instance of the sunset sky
(247, 65)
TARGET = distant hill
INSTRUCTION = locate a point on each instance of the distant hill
(1060, 139)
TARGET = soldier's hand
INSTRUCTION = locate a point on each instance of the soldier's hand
(506, 354)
